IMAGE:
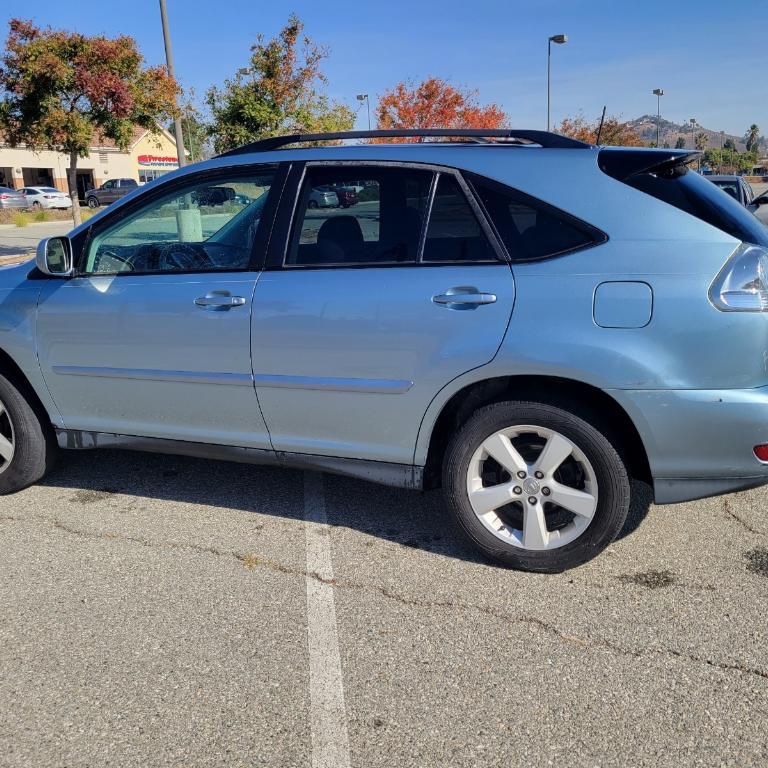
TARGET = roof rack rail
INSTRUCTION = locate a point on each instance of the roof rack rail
(512, 136)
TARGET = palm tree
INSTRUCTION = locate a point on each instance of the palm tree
(752, 138)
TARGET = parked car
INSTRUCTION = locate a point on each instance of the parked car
(323, 197)
(737, 188)
(530, 324)
(46, 197)
(214, 195)
(109, 192)
(12, 199)
(347, 196)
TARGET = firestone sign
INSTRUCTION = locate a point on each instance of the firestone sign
(157, 161)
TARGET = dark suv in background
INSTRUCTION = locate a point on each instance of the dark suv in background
(109, 191)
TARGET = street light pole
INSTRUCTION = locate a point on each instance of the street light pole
(559, 40)
(658, 93)
(177, 130)
(364, 97)
(720, 164)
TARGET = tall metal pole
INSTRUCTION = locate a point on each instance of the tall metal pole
(559, 39)
(177, 129)
(658, 93)
(720, 164)
(549, 75)
(364, 97)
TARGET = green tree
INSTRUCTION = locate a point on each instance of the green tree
(752, 138)
(61, 90)
(701, 140)
(279, 92)
(730, 144)
(680, 143)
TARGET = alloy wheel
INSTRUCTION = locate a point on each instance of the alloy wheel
(532, 487)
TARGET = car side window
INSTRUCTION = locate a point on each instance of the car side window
(108, 184)
(209, 224)
(454, 232)
(531, 229)
(359, 215)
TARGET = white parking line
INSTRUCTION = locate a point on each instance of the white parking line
(328, 716)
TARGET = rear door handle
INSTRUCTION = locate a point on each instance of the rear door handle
(464, 296)
(219, 300)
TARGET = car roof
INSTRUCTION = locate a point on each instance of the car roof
(724, 177)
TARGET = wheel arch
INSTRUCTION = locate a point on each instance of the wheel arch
(14, 373)
(582, 398)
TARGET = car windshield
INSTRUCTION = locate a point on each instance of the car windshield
(696, 195)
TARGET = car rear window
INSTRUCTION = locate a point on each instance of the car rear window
(531, 229)
(690, 192)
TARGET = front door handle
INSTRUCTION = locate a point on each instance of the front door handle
(219, 300)
(464, 297)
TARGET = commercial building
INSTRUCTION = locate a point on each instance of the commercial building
(148, 156)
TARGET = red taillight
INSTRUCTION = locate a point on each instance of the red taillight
(4, 197)
(761, 451)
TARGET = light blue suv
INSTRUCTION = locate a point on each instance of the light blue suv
(526, 320)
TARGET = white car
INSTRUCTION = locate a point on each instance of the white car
(46, 197)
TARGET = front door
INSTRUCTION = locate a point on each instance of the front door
(152, 337)
(372, 309)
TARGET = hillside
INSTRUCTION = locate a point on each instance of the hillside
(670, 132)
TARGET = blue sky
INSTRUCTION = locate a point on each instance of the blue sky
(699, 51)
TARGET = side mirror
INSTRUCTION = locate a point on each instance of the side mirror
(762, 200)
(54, 257)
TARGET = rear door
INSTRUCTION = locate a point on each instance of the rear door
(365, 313)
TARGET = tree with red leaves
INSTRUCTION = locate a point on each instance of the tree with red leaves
(60, 90)
(435, 103)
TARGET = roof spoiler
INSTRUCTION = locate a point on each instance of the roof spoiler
(621, 163)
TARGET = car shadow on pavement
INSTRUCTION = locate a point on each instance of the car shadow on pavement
(409, 518)
(13, 250)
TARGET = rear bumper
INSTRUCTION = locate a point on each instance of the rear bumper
(14, 205)
(699, 442)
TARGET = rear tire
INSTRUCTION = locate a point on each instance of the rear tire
(508, 511)
(27, 445)
(312, 204)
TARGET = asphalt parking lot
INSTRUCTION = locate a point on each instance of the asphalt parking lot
(163, 611)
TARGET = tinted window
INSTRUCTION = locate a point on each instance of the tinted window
(692, 193)
(203, 226)
(454, 233)
(729, 187)
(381, 225)
(529, 229)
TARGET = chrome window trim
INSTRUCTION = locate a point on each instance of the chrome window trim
(436, 170)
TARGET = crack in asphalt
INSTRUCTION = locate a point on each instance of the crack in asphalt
(744, 524)
(253, 561)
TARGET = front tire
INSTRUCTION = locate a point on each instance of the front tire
(27, 446)
(536, 487)
(93, 202)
